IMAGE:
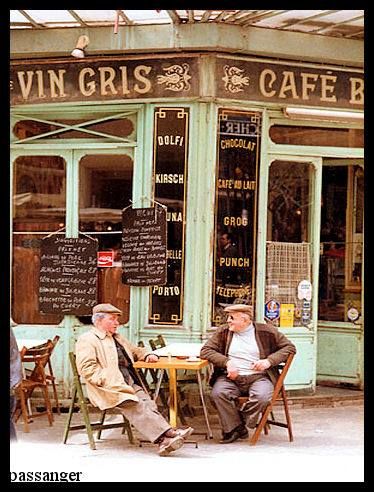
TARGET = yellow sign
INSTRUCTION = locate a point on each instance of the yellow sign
(286, 315)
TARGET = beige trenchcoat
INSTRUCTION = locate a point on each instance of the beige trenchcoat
(97, 363)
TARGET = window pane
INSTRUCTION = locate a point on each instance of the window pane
(306, 135)
(340, 273)
(120, 127)
(288, 202)
(39, 193)
(288, 259)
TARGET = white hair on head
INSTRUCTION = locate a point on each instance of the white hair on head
(97, 316)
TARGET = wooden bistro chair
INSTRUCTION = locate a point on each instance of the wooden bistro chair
(50, 344)
(79, 399)
(279, 393)
(36, 378)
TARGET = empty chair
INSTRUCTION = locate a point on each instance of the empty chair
(51, 344)
(36, 378)
(279, 392)
(78, 398)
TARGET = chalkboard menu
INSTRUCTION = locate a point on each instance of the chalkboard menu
(68, 277)
(144, 246)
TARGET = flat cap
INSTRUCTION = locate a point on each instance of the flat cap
(106, 308)
(239, 308)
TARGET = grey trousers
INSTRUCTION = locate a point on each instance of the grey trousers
(144, 416)
(225, 392)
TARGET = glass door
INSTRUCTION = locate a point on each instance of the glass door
(105, 180)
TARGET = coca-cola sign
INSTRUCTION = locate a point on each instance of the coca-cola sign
(105, 259)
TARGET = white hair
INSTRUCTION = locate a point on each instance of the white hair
(98, 316)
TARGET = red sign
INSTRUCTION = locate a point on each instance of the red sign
(105, 258)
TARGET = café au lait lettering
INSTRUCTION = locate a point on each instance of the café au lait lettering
(236, 184)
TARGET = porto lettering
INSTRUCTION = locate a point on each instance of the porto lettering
(166, 291)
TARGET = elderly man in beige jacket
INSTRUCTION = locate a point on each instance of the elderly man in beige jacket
(105, 361)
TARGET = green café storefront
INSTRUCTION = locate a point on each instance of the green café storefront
(264, 204)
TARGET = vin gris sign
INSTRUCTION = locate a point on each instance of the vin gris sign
(121, 78)
(114, 78)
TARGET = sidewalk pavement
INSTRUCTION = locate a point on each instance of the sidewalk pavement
(328, 446)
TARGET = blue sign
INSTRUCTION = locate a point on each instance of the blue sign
(272, 310)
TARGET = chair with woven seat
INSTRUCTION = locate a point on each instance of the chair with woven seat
(78, 398)
(36, 378)
(279, 393)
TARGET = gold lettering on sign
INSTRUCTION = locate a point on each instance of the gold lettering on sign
(138, 74)
(306, 85)
(174, 216)
(86, 88)
(174, 254)
(241, 292)
(170, 140)
(166, 291)
(237, 142)
(357, 91)
(267, 79)
(169, 178)
(234, 262)
(288, 84)
(325, 88)
(107, 75)
(235, 221)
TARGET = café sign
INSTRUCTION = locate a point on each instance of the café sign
(134, 77)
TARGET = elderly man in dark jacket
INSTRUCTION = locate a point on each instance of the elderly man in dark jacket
(244, 355)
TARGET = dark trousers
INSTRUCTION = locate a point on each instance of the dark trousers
(225, 392)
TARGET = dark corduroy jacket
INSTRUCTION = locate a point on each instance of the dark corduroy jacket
(272, 344)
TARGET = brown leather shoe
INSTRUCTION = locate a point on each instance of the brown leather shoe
(170, 444)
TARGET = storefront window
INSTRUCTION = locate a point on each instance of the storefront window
(235, 210)
(94, 128)
(307, 135)
(341, 238)
(39, 198)
(288, 259)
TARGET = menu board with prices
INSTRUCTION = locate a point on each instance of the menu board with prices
(68, 280)
(144, 246)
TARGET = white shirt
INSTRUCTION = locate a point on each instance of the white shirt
(244, 350)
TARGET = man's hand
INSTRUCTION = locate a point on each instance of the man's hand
(232, 371)
(151, 358)
(261, 365)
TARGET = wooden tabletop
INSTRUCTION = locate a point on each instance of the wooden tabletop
(172, 363)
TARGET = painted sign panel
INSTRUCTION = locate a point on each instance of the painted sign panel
(289, 83)
(144, 246)
(287, 312)
(170, 146)
(68, 280)
(99, 79)
(235, 209)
